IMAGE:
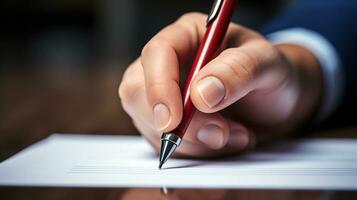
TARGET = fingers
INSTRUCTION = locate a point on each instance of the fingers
(209, 131)
(150, 91)
(161, 59)
(240, 138)
(254, 65)
(208, 135)
(133, 97)
(214, 136)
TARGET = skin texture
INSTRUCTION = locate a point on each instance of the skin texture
(252, 92)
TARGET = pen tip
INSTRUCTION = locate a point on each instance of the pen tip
(169, 142)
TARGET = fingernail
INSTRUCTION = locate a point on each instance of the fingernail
(211, 136)
(162, 117)
(211, 90)
(238, 139)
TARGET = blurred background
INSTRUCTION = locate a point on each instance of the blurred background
(61, 61)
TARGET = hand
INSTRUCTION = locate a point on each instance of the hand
(252, 91)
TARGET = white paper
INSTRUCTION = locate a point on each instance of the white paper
(128, 161)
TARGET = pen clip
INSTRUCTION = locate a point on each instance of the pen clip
(215, 10)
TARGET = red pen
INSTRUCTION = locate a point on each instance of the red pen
(217, 24)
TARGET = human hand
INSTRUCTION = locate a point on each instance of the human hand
(252, 91)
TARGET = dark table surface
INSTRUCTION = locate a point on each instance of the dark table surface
(174, 194)
(32, 106)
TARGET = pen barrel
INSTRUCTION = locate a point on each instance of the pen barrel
(211, 42)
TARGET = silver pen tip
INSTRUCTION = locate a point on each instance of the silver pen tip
(169, 143)
(160, 165)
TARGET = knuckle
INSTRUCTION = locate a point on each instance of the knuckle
(268, 49)
(154, 90)
(128, 89)
(240, 63)
(160, 90)
(155, 46)
(151, 46)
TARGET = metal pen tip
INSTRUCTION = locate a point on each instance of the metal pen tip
(167, 148)
(169, 142)
(160, 165)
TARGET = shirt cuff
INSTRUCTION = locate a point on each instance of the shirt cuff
(329, 59)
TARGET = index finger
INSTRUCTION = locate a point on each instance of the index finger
(161, 59)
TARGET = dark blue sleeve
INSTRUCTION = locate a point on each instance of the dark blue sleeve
(336, 20)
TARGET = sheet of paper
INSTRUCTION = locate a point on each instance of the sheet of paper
(128, 161)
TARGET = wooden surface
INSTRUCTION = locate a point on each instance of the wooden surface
(33, 105)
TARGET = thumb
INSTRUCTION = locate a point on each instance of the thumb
(256, 65)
